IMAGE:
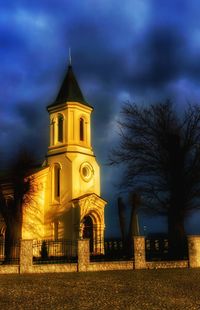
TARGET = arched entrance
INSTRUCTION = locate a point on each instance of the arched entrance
(88, 231)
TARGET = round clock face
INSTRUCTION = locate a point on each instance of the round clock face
(86, 171)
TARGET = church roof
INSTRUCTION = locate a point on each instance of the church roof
(70, 90)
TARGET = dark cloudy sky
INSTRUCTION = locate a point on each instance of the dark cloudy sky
(137, 50)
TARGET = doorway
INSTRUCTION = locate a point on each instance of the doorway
(88, 231)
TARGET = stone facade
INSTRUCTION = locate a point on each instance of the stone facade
(194, 251)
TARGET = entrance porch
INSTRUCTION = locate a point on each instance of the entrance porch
(89, 211)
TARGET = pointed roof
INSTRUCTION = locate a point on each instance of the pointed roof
(70, 90)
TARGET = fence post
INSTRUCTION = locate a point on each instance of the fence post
(194, 251)
(139, 252)
(26, 256)
(83, 254)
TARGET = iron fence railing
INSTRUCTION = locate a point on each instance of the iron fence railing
(9, 252)
(54, 251)
(112, 250)
(159, 249)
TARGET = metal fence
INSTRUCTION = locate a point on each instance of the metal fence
(9, 252)
(114, 250)
(157, 248)
(54, 251)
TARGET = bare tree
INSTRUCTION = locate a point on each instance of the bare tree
(16, 187)
(160, 150)
(122, 218)
(134, 225)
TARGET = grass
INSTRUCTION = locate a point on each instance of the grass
(126, 290)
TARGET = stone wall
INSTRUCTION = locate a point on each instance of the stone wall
(84, 264)
(167, 264)
(7, 269)
(104, 266)
(49, 268)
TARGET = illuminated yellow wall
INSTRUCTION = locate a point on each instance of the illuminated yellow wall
(52, 216)
(72, 113)
(34, 206)
(79, 174)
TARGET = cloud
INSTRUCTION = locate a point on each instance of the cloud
(158, 60)
(139, 50)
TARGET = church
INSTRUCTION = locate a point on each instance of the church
(67, 202)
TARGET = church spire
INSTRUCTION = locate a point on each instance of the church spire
(70, 90)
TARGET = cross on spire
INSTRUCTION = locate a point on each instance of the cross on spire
(70, 57)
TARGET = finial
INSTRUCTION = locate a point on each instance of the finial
(70, 57)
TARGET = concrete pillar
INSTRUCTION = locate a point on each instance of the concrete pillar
(139, 252)
(26, 256)
(83, 254)
(194, 251)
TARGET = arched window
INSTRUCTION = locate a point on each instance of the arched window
(81, 129)
(52, 128)
(56, 181)
(60, 128)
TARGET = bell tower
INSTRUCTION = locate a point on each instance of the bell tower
(74, 172)
(70, 128)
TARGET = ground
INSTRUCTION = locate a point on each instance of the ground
(125, 290)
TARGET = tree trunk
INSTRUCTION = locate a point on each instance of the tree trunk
(122, 218)
(122, 222)
(12, 236)
(177, 236)
(133, 224)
